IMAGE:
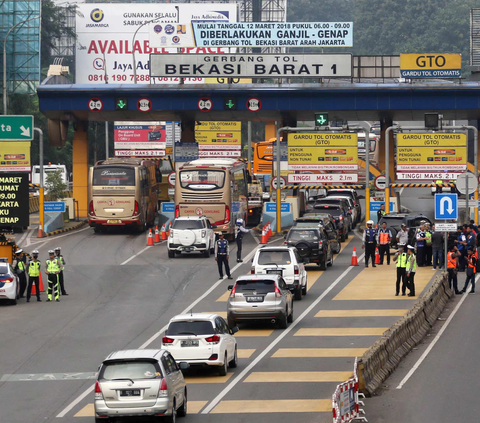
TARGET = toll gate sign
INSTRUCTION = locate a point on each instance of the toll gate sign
(430, 66)
(14, 208)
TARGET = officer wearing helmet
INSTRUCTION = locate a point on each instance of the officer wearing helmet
(52, 270)
(370, 242)
(61, 263)
(34, 275)
(239, 231)
(20, 266)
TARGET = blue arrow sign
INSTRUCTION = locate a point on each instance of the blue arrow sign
(446, 206)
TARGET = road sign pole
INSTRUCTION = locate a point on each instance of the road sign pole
(249, 151)
(467, 211)
(445, 237)
(387, 168)
(279, 199)
(367, 127)
(41, 190)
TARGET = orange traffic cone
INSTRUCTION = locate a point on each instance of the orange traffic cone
(34, 287)
(269, 230)
(157, 235)
(377, 256)
(40, 232)
(263, 240)
(164, 232)
(150, 237)
(354, 258)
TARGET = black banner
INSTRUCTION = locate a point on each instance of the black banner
(14, 200)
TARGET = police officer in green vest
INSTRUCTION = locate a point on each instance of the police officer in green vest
(52, 270)
(400, 258)
(20, 266)
(381, 212)
(61, 263)
(34, 276)
(411, 270)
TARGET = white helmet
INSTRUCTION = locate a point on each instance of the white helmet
(240, 221)
(370, 222)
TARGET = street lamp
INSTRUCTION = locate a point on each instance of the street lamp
(133, 48)
(5, 62)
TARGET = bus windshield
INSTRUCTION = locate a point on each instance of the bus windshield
(114, 176)
(201, 180)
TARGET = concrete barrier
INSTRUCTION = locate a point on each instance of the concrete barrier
(53, 221)
(33, 204)
(270, 215)
(381, 359)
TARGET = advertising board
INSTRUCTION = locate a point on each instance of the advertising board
(15, 156)
(140, 135)
(14, 208)
(219, 139)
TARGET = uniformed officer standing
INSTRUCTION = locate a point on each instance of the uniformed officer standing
(370, 242)
(384, 238)
(61, 263)
(222, 252)
(52, 270)
(19, 267)
(381, 212)
(400, 258)
(239, 231)
(421, 244)
(34, 276)
(411, 270)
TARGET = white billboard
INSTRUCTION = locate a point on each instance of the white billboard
(105, 32)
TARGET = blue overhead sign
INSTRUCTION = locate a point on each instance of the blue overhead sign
(446, 206)
(54, 206)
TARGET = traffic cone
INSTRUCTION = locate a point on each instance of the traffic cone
(377, 256)
(164, 232)
(269, 230)
(354, 258)
(40, 232)
(150, 237)
(34, 287)
(263, 240)
(157, 235)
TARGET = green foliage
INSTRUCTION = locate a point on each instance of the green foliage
(55, 186)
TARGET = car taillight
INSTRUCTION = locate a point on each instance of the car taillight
(204, 233)
(163, 391)
(177, 211)
(215, 339)
(171, 233)
(296, 271)
(98, 391)
(92, 211)
(234, 289)
(340, 218)
(167, 340)
(278, 294)
(227, 214)
(320, 244)
(285, 242)
(136, 211)
(252, 270)
(7, 279)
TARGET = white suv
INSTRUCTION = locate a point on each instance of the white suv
(191, 234)
(283, 261)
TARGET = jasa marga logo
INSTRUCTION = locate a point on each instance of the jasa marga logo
(97, 15)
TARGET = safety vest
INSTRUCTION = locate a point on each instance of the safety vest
(413, 267)
(439, 182)
(61, 261)
(382, 212)
(52, 266)
(20, 264)
(473, 266)
(451, 261)
(383, 236)
(34, 268)
(428, 235)
(402, 260)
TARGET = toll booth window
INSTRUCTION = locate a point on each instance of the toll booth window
(114, 176)
(202, 179)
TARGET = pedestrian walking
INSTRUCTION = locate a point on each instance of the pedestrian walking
(411, 269)
(428, 245)
(471, 271)
(381, 212)
(438, 242)
(239, 231)
(61, 263)
(402, 237)
(421, 238)
(222, 252)
(400, 258)
(52, 270)
(34, 275)
(370, 243)
(384, 238)
(19, 267)
(452, 257)
(461, 243)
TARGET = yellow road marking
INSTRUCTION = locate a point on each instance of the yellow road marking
(87, 411)
(208, 379)
(379, 284)
(224, 297)
(274, 406)
(318, 352)
(340, 332)
(299, 376)
(194, 407)
(253, 332)
(245, 353)
(360, 313)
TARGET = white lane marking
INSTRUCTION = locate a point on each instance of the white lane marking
(75, 402)
(222, 394)
(430, 347)
(48, 239)
(135, 255)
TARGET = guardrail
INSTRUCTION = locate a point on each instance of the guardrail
(381, 359)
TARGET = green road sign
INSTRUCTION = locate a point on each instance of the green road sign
(230, 103)
(321, 119)
(16, 128)
(121, 103)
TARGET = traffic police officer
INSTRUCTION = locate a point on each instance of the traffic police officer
(400, 258)
(222, 252)
(239, 231)
(370, 242)
(421, 244)
(34, 276)
(52, 270)
(61, 263)
(384, 238)
(411, 270)
(381, 212)
(20, 266)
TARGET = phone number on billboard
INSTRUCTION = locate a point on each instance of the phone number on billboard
(120, 78)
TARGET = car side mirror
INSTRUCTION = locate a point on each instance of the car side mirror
(230, 287)
(184, 365)
(234, 330)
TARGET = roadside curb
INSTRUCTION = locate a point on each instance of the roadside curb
(61, 231)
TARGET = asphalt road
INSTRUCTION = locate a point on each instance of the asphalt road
(122, 295)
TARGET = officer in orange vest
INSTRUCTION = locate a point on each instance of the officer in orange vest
(452, 256)
(471, 270)
(384, 238)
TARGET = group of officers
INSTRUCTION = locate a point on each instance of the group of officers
(24, 265)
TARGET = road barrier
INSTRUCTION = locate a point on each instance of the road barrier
(327, 187)
(421, 185)
(381, 359)
(33, 204)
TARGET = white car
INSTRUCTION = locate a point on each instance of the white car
(283, 261)
(191, 234)
(9, 285)
(202, 340)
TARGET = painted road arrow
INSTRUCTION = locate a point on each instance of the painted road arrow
(16, 128)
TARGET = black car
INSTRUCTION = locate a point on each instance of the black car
(311, 243)
(344, 202)
(350, 193)
(341, 216)
(395, 220)
(327, 221)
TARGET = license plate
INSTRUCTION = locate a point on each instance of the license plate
(189, 343)
(275, 272)
(130, 393)
(114, 221)
(254, 299)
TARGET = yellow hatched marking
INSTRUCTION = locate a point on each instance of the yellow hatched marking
(379, 284)
(207, 379)
(194, 407)
(318, 352)
(299, 376)
(224, 297)
(242, 333)
(245, 353)
(340, 332)
(274, 406)
(87, 411)
(361, 313)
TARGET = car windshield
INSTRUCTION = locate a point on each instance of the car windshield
(333, 210)
(187, 224)
(333, 193)
(331, 200)
(274, 257)
(190, 327)
(260, 286)
(114, 176)
(302, 235)
(129, 370)
(202, 179)
(309, 223)
(392, 221)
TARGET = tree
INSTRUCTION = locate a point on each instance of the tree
(55, 186)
